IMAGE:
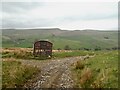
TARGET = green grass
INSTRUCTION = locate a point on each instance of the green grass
(75, 39)
(72, 54)
(0, 73)
(25, 54)
(100, 71)
(17, 55)
(15, 74)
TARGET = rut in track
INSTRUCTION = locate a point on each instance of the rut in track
(54, 73)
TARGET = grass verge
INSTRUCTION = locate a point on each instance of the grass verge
(15, 74)
(100, 71)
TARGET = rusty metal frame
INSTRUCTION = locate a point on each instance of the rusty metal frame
(42, 48)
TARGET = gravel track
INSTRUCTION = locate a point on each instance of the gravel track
(54, 73)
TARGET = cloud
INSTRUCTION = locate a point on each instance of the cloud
(19, 7)
(60, 14)
(104, 24)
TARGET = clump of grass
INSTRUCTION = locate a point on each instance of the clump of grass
(15, 74)
(99, 82)
(85, 77)
(79, 65)
(19, 53)
(23, 55)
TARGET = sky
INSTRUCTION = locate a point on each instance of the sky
(63, 15)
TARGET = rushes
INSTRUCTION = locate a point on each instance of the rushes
(79, 65)
(19, 53)
(85, 77)
(100, 71)
(27, 53)
(84, 74)
(15, 74)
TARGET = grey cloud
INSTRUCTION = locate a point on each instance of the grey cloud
(89, 17)
(17, 16)
(16, 7)
(14, 23)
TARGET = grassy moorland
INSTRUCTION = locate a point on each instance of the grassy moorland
(100, 71)
(26, 53)
(15, 74)
(77, 39)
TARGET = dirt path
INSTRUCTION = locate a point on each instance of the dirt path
(54, 73)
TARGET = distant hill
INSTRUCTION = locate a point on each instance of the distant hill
(77, 39)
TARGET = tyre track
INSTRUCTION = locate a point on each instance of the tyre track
(54, 73)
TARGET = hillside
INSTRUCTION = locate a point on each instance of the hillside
(76, 39)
